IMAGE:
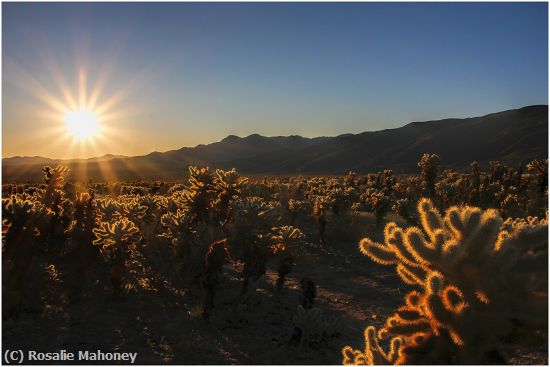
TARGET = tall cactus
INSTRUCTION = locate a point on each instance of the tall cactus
(287, 241)
(117, 241)
(249, 238)
(21, 223)
(429, 164)
(214, 259)
(228, 186)
(83, 255)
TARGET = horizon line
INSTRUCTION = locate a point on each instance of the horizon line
(121, 156)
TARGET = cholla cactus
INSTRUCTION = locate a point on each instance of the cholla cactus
(178, 224)
(379, 204)
(451, 189)
(53, 198)
(511, 206)
(429, 165)
(21, 225)
(83, 255)
(286, 238)
(85, 217)
(350, 179)
(20, 213)
(295, 207)
(540, 168)
(515, 226)
(117, 241)
(22, 220)
(249, 236)
(406, 209)
(112, 237)
(214, 259)
(538, 194)
(286, 241)
(53, 177)
(497, 171)
(320, 212)
(475, 183)
(480, 283)
(175, 188)
(183, 237)
(489, 193)
(151, 222)
(153, 204)
(198, 200)
(133, 210)
(228, 186)
(109, 209)
(253, 213)
(373, 352)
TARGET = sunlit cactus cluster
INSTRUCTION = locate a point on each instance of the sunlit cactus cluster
(481, 280)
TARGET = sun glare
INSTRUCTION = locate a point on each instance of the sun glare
(81, 119)
(82, 123)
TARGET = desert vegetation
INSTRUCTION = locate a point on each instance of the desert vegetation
(221, 268)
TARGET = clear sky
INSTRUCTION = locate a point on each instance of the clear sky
(166, 75)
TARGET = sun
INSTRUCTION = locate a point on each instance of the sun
(82, 123)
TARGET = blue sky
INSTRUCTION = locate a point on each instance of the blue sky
(190, 73)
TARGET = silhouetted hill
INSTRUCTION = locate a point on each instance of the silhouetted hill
(513, 137)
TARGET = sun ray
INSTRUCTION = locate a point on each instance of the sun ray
(49, 61)
(82, 85)
(25, 80)
(106, 171)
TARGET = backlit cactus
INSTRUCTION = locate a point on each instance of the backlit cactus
(21, 246)
(286, 244)
(117, 242)
(481, 281)
(82, 254)
(214, 259)
(429, 164)
(249, 236)
(228, 186)
(53, 177)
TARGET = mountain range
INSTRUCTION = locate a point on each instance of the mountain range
(513, 137)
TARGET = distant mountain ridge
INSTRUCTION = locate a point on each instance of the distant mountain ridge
(513, 137)
(42, 160)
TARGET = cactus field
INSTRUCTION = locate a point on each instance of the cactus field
(436, 267)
